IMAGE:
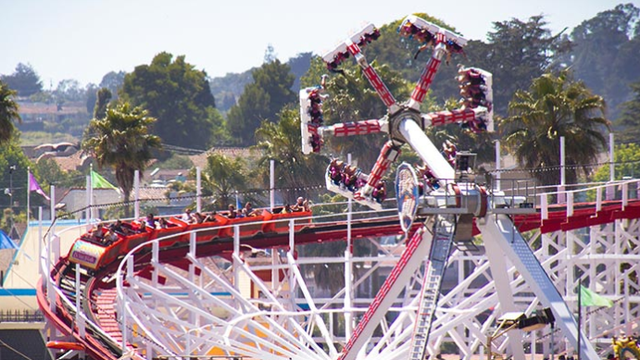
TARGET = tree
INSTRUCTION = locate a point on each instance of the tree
(225, 100)
(518, 52)
(270, 54)
(299, 65)
(176, 162)
(556, 106)
(103, 97)
(178, 95)
(281, 142)
(261, 100)
(630, 117)
(24, 80)
(228, 88)
(13, 176)
(68, 90)
(605, 57)
(91, 96)
(626, 157)
(113, 81)
(123, 142)
(8, 113)
(222, 177)
(47, 172)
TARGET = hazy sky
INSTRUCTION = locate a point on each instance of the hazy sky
(85, 39)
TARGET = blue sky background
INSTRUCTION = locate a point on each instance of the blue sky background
(85, 39)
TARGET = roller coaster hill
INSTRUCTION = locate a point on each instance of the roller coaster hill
(258, 288)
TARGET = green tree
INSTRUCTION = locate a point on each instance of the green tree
(48, 172)
(299, 66)
(225, 100)
(178, 95)
(313, 76)
(606, 53)
(630, 118)
(555, 106)
(627, 159)
(103, 97)
(68, 90)
(518, 52)
(270, 54)
(261, 100)
(228, 88)
(281, 142)
(8, 113)
(13, 176)
(222, 177)
(24, 80)
(175, 161)
(113, 81)
(91, 96)
(123, 142)
(8, 219)
(244, 117)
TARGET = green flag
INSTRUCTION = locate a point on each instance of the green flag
(98, 182)
(589, 298)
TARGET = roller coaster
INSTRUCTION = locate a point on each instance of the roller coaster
(170, 268)
(254, 288)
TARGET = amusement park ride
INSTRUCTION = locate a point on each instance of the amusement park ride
(406, 124)
(235, 288)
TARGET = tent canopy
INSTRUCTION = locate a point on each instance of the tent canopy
(6, 242)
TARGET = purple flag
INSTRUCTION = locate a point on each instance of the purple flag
(34, 186)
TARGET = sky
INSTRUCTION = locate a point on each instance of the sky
(86, 39)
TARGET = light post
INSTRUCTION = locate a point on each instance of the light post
(11, 169)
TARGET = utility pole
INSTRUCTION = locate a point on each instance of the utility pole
(11, 169)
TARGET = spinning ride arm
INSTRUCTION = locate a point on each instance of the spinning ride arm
(389, 153)
(446, 42)
(356, 128)
(352, 46)
(312, 121)
(374, 79)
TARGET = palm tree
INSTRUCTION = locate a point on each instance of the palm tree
(556, 106)
(122, 141)
(281, 142)
(222, 176)
(8, 113)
